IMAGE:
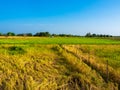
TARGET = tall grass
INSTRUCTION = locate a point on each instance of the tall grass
(87, 55)
(51, 67)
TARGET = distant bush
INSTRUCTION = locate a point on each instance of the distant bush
(10, 34)
(97, 35)
(0, 34)
(25, 34)
(45, 34)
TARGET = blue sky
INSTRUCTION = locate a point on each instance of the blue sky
(60, 16)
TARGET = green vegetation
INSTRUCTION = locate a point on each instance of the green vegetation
(10, 34)
(16, 50)
(56, 40)
(47, 34)
(97, 35)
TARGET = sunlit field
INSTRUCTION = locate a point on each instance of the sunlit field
(60, 63)
(56, 40)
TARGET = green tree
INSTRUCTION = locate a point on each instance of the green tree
(28, 34)
(1, 34)
(94, 35)
(88, 35)
(45, 34)
(10, 34)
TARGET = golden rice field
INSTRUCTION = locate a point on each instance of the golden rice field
(59, 67)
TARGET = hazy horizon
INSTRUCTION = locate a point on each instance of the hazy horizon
(60, 16)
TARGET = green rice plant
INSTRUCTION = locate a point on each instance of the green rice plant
(57, 40)
(16, 50)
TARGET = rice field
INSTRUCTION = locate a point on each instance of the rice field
(28, 63)
(56, 40)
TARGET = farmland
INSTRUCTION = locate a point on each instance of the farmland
(62, 63)
(56, 40)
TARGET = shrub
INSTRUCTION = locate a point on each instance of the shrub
(16, 50)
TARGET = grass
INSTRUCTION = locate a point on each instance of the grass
(59, 64)
(56, 40)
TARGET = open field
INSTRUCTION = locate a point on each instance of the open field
(56, 40)
(44, 63)
(59, 67)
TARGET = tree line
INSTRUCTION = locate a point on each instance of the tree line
(40, 34)
(47, 34)
(97, 35)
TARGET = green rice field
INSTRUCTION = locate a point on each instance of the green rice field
(56, 40)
